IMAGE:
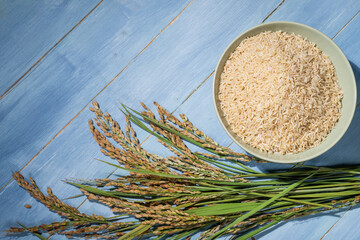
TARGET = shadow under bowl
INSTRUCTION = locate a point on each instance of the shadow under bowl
(344, 73)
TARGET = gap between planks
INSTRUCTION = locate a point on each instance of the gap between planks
(345, 25)
(162, 30)
(232, 141)
(335, 223)
(148, 136)
(192, 92)
(129, 64)
(358, 104)
(347, 210)
(271, 13)
(18, 81)
(132, 60)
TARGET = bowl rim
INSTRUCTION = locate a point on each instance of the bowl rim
(346, 124)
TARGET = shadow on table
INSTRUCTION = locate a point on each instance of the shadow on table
(345, 152)
(297, 221)
(356, 70)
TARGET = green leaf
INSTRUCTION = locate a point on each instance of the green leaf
(166, 175)
(148, 172)
(261, 206)
(132, 118)
(228, 208)
(104, 193)
(159, 237)
(226, 166)
(163, 126)
(252, 233)
(167, 128)
(34, 233)
(327, 194)
(159, 199)
(72, 197)
(135, 232)
(185, 205)
(292, 200)
(184, 234)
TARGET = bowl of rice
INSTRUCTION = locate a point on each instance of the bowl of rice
(284, 92)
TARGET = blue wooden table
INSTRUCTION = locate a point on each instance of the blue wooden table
(57, 56)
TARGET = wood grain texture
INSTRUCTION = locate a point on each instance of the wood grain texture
(309, 227)
(329, 15)
(201, 102)
(177, 59)
(28, 29)
(136, 86)
(170, 69)
(305, 228)
(74, 73)
(348, 151)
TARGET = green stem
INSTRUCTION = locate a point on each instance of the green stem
(261, 206)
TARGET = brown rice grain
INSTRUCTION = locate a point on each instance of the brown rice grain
(280, 93)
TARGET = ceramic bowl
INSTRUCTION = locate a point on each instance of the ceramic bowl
(346, 80)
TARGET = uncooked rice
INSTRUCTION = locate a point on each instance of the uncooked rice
(280, 93)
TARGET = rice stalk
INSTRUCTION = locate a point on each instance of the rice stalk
(174, 197)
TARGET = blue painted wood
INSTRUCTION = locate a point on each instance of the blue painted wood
(71, 154)
(172, 66)
(305, 228)
(328, 16)
(28, 29)
(348, 227)
(74, 73)
(52, 95)
(346, 150)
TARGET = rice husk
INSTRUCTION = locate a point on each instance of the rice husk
(280, 93)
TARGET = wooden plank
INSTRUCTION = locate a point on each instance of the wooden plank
(29, 29)
(49, 96)
(345, 150)
(75, 72)
(284, 14)
(347, 227)
(306, 228)
(328, 16)
(181, 57)
(309, 227)
(76, 143)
